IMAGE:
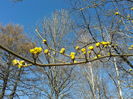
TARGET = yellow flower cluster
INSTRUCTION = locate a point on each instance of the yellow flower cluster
(132, 8)
(83, 50)
(105, 43)
(72, 55)
(62, 51)
(36, 50)
(19, 63)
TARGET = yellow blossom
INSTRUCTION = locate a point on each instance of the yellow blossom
(15, 62)
(22, 62)
(109, 53)
(62, 51)
(131, 46)
(104, 43)
(89, 52)
(75, 61)
(91, 47)
(97, 44)
(99, 55)
(72, 55)
(32, 51)
(44, 41)
(77, 47)
(36, 50)
(83, 50)
(46, 51)
(130, 69)
(132, 8)
(116, 13)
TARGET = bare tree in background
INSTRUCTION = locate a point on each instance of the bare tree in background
(56, 81)
(13, 38)
(99, 23)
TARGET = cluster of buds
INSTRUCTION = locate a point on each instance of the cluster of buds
(72, 55)
(19, 63)
(83, 50)
(36, 50)
(105, 44)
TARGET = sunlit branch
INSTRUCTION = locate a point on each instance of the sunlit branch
(62, 64)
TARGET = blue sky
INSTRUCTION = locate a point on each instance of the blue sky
(29, 12)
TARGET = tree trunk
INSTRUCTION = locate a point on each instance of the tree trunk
(15, 85)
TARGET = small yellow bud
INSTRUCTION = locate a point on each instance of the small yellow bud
(72, 53)
(83, 50)
(31, 51)
(46, 51)
(97, 44)
(104, 43)
(132, 8)
(72, 57)
(98, 55)
(116, 13)
(15, 62)
(77, 47)
(62, 51)
(130, 70)
(89, 52)
(22, 62)
(91, 47)
(44, 41)
(109, 53)
(75, 61)
(39, 50)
